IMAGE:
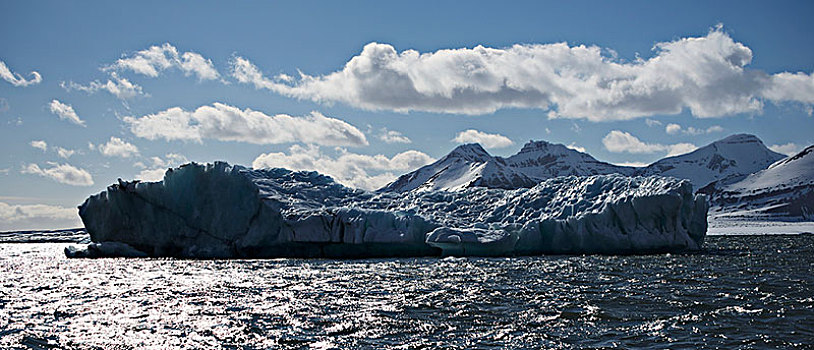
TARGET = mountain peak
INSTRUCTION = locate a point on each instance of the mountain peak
(739, 139)
(533, 146)
(471, 152)
(725, 160)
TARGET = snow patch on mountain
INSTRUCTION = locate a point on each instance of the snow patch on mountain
(725, 161)
(472, 166)
(784, 190)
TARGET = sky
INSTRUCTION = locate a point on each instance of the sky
(94, 91)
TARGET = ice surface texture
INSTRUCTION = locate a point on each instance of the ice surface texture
(218, 210)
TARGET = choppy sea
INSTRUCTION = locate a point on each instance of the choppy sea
(739, 292)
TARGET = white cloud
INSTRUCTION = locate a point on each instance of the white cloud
(620, 141)
(672, 128)
(117, 147)
(65, 112)
(16, 79)
(675, 129)
(120, 87)
(64, 152)
(392, 136)
(714, 128)
(679, 149)
(170, 159)
(706, 75)
(39, 144)
(151, 175)
(62, 173)
(485, 139)
(350, 169)
(152, 61)
(159, 166)
(31, 216)
(788, 149)
(227, 123)
(633, 164)
(574, 146)
(652, 122)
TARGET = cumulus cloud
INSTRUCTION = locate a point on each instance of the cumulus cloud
(672, 128)
(788, 149)
(31, 216)
(351, 169)
(227, 123)
(155, 171)
(39, 144)
(62, 173)
(151, 175)
(16, 79)
(676, 128)
(707, 75)
(485, 139)
(120, 87)
(620, 141)
(117, 147)
(574, 146)
(152, 61)
(66, 112)
(392, 136)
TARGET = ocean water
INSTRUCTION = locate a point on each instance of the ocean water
(740, 292)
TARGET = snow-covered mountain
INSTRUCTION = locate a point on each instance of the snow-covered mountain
(466, 166)
(472, 166)
(742, 177)
(543, 160)
(784, 189)
(725, 161)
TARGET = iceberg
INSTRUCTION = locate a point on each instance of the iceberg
(229, 211)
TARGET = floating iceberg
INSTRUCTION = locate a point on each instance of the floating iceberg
(223, 211)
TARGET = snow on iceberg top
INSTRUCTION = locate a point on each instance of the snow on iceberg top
(219, 210)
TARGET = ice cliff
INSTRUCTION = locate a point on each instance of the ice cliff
(218, 210)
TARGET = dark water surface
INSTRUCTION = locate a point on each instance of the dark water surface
(742, 292)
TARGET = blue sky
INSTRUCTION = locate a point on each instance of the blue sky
(365, 91)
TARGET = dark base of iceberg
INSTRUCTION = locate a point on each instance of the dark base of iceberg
(222, 211)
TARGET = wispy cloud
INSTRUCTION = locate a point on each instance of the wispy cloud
(39, 144)
(392, 136)
(36, 215)
(486, 140)
(122, 88)
(64, 152)
(66, 112)
(673, 128)
(152, 61)
(708, 75)
(351, 169)
(62, 173)
(652, 122)
(16, 79)
(619, 141)
(788, 149)
(227, 123)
